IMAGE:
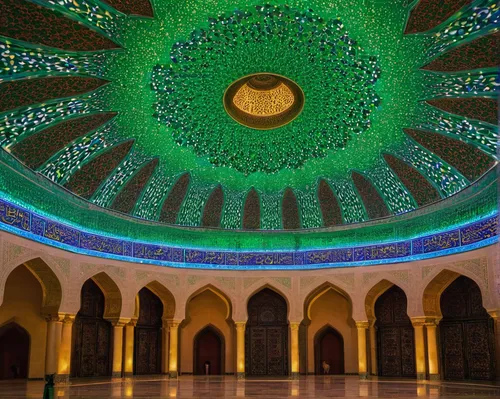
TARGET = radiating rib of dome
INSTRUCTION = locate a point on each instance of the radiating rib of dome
(373, 201)
(251, 211)
(290, 211)
(130, 193)
(34, 150)
(483, 109)
(421, 190)
(174, 200)
(24, 20)
(135, 7)
(467, 159)
(480, 53)
(85, 181)
(19, 93)
(330, 209)
(213, 208)
(428, 14)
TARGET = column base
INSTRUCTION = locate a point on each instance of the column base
(128, 374)
(116, 374)
(173, 374)
(435, 377)
(421, 376)
(61, 379)
(294, 376)
(240, 375)
(363, 376)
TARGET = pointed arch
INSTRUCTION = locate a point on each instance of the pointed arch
(338, 353)
(213, 208)
(374, 203)
(271, 288)
(86, 180)
(164, 294)
(218, 292)
(174, 199)
(330, 208)
(112, 295)
(319, 291)
(251, 211)
(373, 294)
(130, 193)
(290, 215)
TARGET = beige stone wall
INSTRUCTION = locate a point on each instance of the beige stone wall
(22, 305)
(353, 292)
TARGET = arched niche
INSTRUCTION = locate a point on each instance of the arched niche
(209, 350)
(267, 326)
(164, 294)
(328, 351)
(23, 305)
(14, 351)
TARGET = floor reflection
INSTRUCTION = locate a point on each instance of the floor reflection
(229, 387)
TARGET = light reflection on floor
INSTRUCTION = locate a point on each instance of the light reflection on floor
(229, 387)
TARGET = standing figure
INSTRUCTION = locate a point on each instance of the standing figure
(326, 367)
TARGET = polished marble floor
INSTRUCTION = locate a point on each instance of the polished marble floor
(229, 387)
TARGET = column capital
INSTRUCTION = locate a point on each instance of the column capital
(362, 324)
(294, 325)
(69, 318)
(119, 322)
(421, 321)
(240, 325)
(494, 313)
(171, 323)
(57, 317)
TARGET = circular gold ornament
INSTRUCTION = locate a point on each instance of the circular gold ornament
(264, 101)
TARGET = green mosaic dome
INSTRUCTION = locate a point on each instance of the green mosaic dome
(122, 102)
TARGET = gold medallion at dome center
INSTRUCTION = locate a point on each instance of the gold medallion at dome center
(264, 101)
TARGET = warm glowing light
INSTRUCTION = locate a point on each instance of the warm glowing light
(264, 102)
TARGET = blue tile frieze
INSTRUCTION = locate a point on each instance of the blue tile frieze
(18, 220)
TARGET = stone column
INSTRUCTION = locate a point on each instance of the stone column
(294, 346)
(373, 348)
(64, 362)
(54, 332)
(495, 314)
(432, 348)
(164, 352)
(117, 366)
(420, 365)
(172, 353)
(362, 326)
(128, 361)
(240, 349)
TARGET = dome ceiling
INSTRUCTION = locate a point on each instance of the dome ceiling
(248, 115)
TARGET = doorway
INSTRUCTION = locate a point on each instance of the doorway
(14, 352)
(208, 351)
(329, 348)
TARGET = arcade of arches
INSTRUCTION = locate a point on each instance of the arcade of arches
(76, 319)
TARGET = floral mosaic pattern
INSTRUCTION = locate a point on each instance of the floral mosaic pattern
(430, 13)
(344, 86)
(483, 109)
(213, 209)
(19, 93)
(24, 20)
(470, 161)
(128, 196)
(85, 181)
(38, 148)
(55, 116)
(421, 190)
